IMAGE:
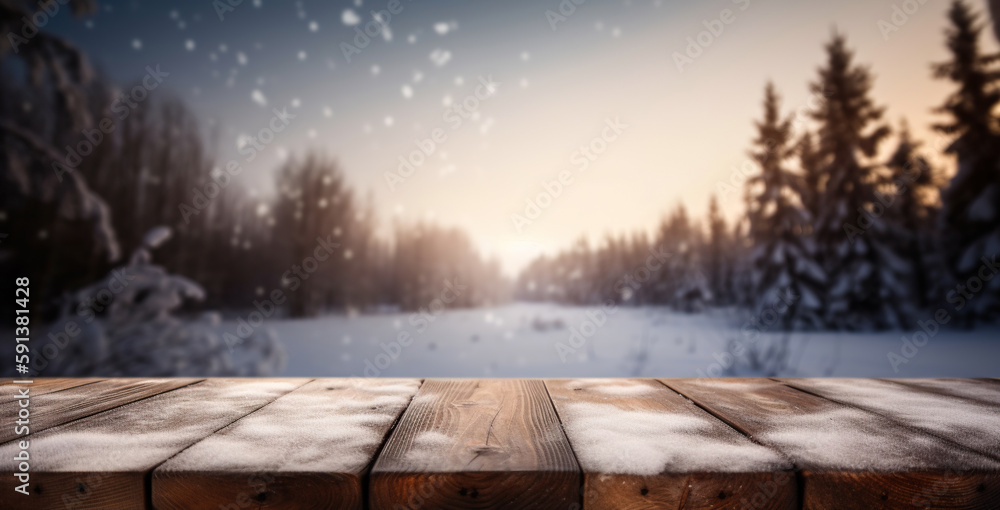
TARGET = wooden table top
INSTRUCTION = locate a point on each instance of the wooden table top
(503, 443)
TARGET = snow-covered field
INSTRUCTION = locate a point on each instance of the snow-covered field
(537, 340)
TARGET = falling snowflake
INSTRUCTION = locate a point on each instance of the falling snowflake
(407, 91)
(258, 97)
(484, 128)
(302, 55)
(241, 58)
(189, 44)
(327, 112)
(389, 121)
(418, 76)
(446, 100)
(443, 27)
(136, 44)
(459, 81)
(525, 56)
(376, 69)
(313, 26)
(350, 18)
(440, 57)
(412, 39)
(296, 102)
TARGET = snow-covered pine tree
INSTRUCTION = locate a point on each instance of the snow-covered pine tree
(681, 282)
(913, 214)
(136, 334)
(970, 205)
(782, 260)
(866, 277)
(811, 184)
(995, 12)
(718, 259)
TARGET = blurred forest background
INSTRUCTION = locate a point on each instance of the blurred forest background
(851, 239)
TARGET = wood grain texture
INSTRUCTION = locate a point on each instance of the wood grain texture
(477, 444)
(850, 458)
(985, 391)
(972, 424)
(56, 408)
(104, 461)
(642, 446)
(44, 385)
(308, 449)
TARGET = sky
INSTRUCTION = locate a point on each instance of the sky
(606, 108)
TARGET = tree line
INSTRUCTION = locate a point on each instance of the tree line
(848, 235)
(852, 235)
(89, 168)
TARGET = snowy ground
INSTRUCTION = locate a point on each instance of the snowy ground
(534, 340)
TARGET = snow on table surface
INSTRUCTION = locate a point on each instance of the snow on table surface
(328, 425)
(820, 434)
(531, 340)
(654, 433)
(970, 423)
(138, 436)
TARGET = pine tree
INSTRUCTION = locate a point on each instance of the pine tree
(783, 265)
(719, 256)
(970, 219)
(913, 214)
(866, 276)
(811, 185)
(681, 282)
(995, 11)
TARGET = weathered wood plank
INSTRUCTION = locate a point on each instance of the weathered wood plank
(493, 443)
(981, 390)
(56, 408)
(45, 385)
(642, 446)
(972, 424)
(850, 458)
(103, 461)
(308, 449)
